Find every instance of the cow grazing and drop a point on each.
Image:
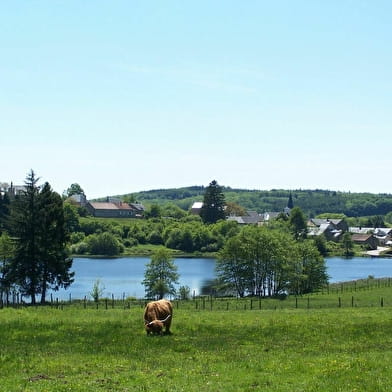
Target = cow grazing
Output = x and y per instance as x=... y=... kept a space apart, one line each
x=158 y=314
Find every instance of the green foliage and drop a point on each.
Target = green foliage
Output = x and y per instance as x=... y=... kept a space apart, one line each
x=76 y=237
x=213 y=208
x=171 y=210
x=74 y=189
x=103 y=244
x=264 y=262
x=297 y=222
x=234 y=209
x=4 y=212
x=160 y=275
x=7 y=252
x=311 y=202
x=154 y=211
x=71 y=218
x=347 y=244
x=310 y=272
x=40 y=261
x=376 y=221
x=184 y=293
x=321 y=244
x=388 y=218
x=97 y=290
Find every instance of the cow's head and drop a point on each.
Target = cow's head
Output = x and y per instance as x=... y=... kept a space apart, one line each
x=155 y=326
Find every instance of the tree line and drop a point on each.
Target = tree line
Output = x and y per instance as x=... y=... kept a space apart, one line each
x=312 y=202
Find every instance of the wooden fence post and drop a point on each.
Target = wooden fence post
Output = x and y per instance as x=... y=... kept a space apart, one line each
x=340 y=302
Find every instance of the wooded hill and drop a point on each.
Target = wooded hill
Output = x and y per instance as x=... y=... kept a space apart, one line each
x=312 y=202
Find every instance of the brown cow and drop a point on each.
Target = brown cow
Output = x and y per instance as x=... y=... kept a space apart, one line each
x=158 y=314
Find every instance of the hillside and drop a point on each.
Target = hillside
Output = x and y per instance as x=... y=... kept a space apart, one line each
x=312 y=202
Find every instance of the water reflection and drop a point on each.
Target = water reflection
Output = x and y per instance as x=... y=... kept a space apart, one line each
x=122 y=277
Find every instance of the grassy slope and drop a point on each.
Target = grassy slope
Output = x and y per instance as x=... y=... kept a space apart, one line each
x=76 y=349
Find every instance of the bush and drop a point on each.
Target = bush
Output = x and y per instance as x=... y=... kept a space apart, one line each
x=130 y=242
x=103 y=244
x=155 y=238
x=77 y=237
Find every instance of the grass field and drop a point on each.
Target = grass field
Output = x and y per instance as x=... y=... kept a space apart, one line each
x=325 y=348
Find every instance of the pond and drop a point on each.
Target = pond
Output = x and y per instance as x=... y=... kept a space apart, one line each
x=123 y=276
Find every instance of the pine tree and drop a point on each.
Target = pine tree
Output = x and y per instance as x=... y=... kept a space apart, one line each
x=4 y=212
x=55 y=263
x=290 y=203
x=213 y=208
x=25 y=227
x=40 y=261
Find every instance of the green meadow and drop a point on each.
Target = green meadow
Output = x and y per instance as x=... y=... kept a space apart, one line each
x=320 y=344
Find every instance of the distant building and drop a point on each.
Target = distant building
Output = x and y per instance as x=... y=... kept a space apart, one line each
x=332 y=229
x=382 y=234
x=251 y=218
x=367 y=240
x=114 y=208
x=196 y=207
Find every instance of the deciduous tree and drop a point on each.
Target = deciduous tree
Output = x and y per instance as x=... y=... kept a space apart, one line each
x=264 y=262
x=74 y=189
x=160 y=275
x=297 y=222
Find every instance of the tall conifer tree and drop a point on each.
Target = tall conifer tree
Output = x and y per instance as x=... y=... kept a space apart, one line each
x=54 y=260
x=4 y=212
x=40 y=260
x=213 y=204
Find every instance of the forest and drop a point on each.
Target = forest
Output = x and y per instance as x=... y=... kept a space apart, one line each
x=311 y=202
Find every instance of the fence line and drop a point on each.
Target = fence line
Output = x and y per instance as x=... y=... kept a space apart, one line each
x=321 y=299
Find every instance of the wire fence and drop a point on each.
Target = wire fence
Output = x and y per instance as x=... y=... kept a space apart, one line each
x=361 y=293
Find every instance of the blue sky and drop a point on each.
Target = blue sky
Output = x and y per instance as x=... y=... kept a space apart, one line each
x=124 y=96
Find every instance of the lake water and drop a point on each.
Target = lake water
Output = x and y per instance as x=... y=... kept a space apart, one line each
x=123 y=276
